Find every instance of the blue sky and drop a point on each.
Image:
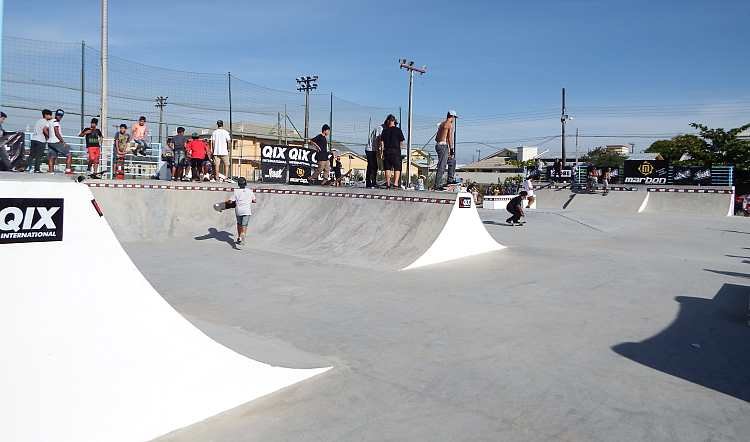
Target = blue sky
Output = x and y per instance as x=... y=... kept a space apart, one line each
x=500 y=64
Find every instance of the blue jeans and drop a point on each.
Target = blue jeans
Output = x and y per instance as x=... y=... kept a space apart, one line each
x=442 y=152
x=141 y=145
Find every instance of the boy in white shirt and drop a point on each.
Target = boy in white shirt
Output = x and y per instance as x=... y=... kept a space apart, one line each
x=242 y=200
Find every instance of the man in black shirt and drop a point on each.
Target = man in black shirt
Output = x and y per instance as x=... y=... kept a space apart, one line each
x=391 y=142
x=515 y=207
x=93 y=145
x=320 y=144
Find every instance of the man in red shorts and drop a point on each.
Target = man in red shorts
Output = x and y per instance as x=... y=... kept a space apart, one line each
x=93 y=145
x=197 y=151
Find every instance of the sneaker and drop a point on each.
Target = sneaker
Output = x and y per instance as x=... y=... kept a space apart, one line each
x=508 y=222
x=68 y=172
x=50 y=173
x=213 y=180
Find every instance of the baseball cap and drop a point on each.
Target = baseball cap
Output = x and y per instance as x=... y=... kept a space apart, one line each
x=59 y=113
x=194 y=135
x=452 y=113
x=220 y=123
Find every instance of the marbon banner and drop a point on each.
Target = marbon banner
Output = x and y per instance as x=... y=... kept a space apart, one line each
x=282 y=164
x=646 y=172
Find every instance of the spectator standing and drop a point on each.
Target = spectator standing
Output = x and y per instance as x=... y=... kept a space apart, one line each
x=221 y=143
x=320 y=145
x=337 y=166
x=606 y=175
x=4 y=159
x=39 y=141
x=197 y=150
x=179 y=142
x=557 y=170
x=445 y=149
x=528 y=187
x=57 y=146
x=93 y=137
x=371 y=175
x=391 y=141
x=120 y=150
x=140 y=136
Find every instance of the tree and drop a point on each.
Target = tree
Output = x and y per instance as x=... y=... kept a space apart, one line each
x=601 y=157
x=672 y=150
x=722 y=147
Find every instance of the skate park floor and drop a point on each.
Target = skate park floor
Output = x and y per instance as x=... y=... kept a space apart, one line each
x=586 y=328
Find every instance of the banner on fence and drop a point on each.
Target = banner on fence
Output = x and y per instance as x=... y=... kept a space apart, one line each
x=691 y=175
x=287 y=164
x=646 y=171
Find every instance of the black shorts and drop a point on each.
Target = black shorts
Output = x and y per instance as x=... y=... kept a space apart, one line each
x=392 y=159
x=196 y=162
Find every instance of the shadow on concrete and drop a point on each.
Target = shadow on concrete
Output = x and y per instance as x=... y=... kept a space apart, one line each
x=570 y=200
x=497 y=223
x=707 y=344
x=734 y=231
x=737 y=256
x=735 y=274
x=218 y=235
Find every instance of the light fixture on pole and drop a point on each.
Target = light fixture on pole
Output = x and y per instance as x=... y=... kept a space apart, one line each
x=411 y=68
x=306 y=84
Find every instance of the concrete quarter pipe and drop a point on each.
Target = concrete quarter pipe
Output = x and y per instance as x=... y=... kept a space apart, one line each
x=91 y=352
x=381 y=230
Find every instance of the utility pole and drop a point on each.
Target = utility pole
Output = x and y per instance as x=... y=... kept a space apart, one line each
x=307 y=84
x=330 y=121
x=161 y=103
x=576 y=145
x=564 y=117
x=411 y=69
x=231 y=125
x=278 y=126
x=105 y=69
x=286 y=137
x=83 y=85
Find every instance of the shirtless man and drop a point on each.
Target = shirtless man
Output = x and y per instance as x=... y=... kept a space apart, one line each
x=444 y=146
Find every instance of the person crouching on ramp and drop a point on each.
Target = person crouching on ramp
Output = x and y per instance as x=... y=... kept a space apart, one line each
x=515 y=207
x=242 y=199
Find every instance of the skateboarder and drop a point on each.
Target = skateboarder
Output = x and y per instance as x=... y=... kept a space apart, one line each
x=515 y=207
x=243 y=199
x=528 y=186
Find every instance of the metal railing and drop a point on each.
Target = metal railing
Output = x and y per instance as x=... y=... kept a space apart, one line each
x=136 y=167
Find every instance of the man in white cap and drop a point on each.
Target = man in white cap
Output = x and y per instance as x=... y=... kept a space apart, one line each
x=444 y=146
x=221 y=141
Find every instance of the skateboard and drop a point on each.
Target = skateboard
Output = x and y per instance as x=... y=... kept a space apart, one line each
x=224 y=205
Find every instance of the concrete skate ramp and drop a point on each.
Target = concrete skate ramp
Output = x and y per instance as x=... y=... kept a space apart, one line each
x=553 y=199
x=160 y=213
x=615 y=202
x=690 y=204
x=91 y=352
x=375 y=230
x=382 y=230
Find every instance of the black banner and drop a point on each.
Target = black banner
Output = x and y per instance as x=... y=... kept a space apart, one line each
x=691 y=175
x=273 y=164
x=31 y=220
x=295 y=164
x=12 y=151
x=646 y=171
x=565 y=174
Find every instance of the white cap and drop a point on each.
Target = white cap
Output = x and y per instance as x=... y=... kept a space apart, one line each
x=452 y=113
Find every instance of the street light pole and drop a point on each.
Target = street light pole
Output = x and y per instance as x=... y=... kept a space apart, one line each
x=161 y=103
x=409 y=66
x=306 y=84
x=105 y=68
